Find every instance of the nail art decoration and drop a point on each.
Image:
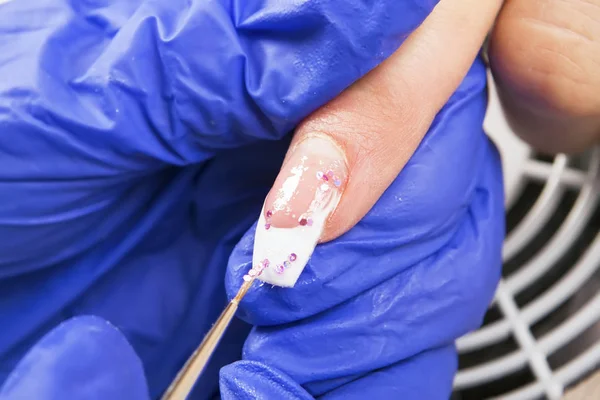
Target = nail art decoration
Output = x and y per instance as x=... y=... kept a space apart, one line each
x=256 y=270
x=268 y=216
x=306 y=192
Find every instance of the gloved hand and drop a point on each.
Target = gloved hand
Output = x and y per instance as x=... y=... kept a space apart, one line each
x=138 y=142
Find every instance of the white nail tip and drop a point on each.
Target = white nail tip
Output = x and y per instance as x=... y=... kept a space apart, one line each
x=277 y=244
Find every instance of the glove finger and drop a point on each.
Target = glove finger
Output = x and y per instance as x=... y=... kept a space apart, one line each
x=428 y=375
x=415 y=218
x=83 y=358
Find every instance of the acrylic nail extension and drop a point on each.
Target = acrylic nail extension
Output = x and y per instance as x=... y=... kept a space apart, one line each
x=306 y=192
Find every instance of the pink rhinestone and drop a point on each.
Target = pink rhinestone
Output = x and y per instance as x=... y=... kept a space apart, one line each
x=309 y=222
x=265 y=262
x=325 y=178
x=267 y=226
x=330 y=173
x=279 y=269
x=303 y=221
x=269 y=214
x=247 y=278
x=293 y=257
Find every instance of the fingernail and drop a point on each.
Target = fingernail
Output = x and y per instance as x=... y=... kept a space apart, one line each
x=306 y=192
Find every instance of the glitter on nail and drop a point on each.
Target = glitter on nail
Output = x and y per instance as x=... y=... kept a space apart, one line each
x=247 y=278
x=269 y=214
x=279 y=269
x=260 y=266
x=293 y=257
x=303 y=221
x=337 y=182
x=319 y=175
x=286 y=263
x=267 y=226
x=330 y=173
x=309 y=222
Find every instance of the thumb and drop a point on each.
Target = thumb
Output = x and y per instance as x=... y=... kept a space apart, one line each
x=344 y=156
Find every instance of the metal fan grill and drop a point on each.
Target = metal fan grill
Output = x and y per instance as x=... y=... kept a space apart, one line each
x=542 y=332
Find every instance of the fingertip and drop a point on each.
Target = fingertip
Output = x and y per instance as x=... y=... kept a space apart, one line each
x=549 y=83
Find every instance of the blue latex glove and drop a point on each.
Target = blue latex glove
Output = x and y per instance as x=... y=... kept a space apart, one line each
x=138 y=140
x=83 y=358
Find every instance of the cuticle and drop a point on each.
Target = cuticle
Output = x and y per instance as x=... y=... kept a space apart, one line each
x=321 y=135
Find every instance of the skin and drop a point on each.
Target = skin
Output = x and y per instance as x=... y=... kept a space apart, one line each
x=545 y=55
